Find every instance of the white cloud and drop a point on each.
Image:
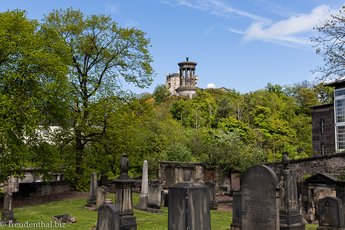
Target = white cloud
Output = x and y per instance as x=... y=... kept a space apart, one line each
x=113 y=8
x=236 y=31
x=215 y=7
x=294 y=31
x=290 y=30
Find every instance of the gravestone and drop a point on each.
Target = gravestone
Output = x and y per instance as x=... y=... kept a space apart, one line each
x=143 y=198
x=124 y=200
x=212 y=193
x=331 y=214
x=236 y=211
x=290 y=217
x=154 y=195
x=7 y=213
x=108 y=218
x=93 y=190
x=101 y=194
x=189 y=207
x=260 y=199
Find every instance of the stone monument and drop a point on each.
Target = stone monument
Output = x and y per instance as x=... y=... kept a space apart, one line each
x=93 y=190
x=144 y=187
x=154 y=195
x=101 y=195
x=236 y=211
x=7 y=215
x=331 y=214
x=260 y=199
x=290 y=217
x=108 y=218
x=212 y=193
x=189 y=207
x=124 y=200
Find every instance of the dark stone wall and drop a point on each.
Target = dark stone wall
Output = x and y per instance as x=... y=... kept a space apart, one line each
x=323 y=114
x=333 y=164
x=42 y=188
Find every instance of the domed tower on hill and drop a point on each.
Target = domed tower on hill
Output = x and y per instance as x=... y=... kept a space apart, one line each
x=188 y=79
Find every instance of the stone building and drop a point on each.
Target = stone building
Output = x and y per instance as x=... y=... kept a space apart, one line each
x=172 y=82
x=329 y=123
x=183 y=83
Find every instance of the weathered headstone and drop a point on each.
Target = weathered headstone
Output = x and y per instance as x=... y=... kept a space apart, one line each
x=154 y=195
x=236 y=211
x=212 y=193
x=260 y=199
x=124 y=200
x=143 y=198
x=189 y=207
x=290 y=217
x=331 y=214
x=7 y=213
x=108 y=218
x=93 y=190
x=101 y=194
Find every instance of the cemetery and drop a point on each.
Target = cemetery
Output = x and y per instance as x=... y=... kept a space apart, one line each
x=78 y=152
x=268 y=199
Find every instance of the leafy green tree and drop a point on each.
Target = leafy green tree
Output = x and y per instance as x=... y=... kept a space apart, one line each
x=198 y=112
x=178 y=152
x=161 y=93
x=101 y=53
x=32 y=85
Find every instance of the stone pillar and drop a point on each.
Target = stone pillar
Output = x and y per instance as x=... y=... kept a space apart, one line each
x=124 y=200
x=290 y=217
x=101 y=194
x=93 y=190
x=189 y=207
x=144 y=187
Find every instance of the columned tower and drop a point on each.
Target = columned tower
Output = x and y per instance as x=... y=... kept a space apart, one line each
x=188 y=78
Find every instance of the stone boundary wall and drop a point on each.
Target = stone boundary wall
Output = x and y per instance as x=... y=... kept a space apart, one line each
x=42 y=188
x=333 y=164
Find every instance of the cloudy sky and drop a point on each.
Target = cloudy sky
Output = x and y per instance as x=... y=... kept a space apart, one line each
x=241 y=44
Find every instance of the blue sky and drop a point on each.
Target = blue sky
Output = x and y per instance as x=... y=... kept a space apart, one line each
x=241 y=44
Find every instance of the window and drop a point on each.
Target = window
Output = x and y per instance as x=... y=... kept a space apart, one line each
x=341 y=138
x=339 y=116
x=340 y=110
x=339 y=93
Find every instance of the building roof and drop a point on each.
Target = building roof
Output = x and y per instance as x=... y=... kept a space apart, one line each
x=337 y=83
x=324 y=178
x=322 y=106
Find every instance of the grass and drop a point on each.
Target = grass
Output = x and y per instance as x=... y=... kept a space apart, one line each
x=220 y=220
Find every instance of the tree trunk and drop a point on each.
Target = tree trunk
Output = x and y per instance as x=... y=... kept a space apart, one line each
x=79 y=157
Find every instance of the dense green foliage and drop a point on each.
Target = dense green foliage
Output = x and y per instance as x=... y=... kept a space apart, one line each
x=65 y=72
x=100 y=53
x=33 y=88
